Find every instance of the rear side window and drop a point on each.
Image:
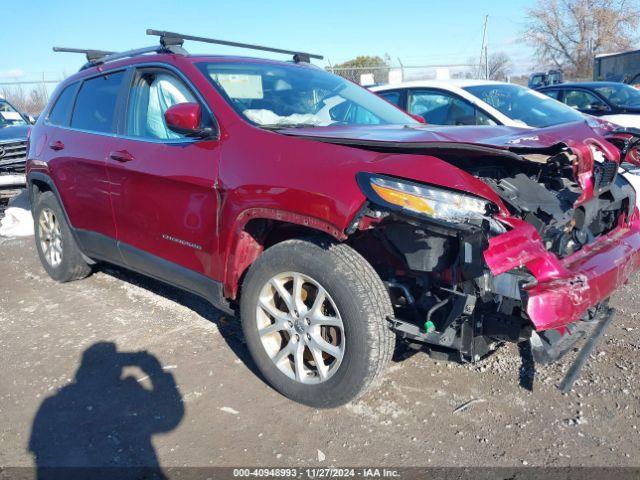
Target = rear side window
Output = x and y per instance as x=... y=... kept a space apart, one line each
x=393 y=97
x=62 y=108
x=555 y=94
x=96 y=103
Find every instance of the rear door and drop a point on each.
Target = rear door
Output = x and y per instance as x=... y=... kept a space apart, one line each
x=80 y=133
x=163 y=183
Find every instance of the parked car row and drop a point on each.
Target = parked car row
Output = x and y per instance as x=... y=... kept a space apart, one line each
x=330 y=220
x=479 y=102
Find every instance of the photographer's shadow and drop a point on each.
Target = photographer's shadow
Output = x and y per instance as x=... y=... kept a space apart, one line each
x=106 y=420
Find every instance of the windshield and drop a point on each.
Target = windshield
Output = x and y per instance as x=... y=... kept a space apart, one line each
x=9 y=115
x=273 y=95
x=527 y=106
x=620 y=95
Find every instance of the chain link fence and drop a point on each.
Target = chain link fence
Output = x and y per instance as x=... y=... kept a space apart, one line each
x=383 y=74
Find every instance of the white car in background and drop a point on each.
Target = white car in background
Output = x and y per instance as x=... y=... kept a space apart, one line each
x=477 y=102
x=483 y=102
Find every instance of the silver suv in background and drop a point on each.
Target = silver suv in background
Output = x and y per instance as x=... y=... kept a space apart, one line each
x=14 y=127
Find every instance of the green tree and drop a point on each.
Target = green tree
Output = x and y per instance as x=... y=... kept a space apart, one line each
x=353 y=69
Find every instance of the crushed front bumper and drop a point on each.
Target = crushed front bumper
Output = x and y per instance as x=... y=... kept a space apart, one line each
x=566 y=288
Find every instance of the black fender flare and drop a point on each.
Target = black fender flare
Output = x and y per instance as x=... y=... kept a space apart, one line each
x=43 y=177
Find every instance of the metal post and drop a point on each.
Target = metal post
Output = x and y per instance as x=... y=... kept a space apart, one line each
x=483 y=48
x=574 y=370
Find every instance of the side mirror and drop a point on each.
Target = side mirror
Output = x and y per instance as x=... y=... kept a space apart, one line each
x=599 y=107
x=186 y=119
x=29 y=118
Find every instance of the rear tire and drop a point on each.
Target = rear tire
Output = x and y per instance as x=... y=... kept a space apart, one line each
x=327 y=341
x=58 y=251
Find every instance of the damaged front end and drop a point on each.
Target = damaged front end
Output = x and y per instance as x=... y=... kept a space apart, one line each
x=535 y=263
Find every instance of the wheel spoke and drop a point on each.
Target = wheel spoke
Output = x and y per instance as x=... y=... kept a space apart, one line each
x=43 y=225
x=297 y=293
x=278 y=326
x=319 y=361
x=298 y=361
x=323 y=320
x=284 y=353
x=318 y=342
x=286 y=296
x=272 y=311
x=316 y=308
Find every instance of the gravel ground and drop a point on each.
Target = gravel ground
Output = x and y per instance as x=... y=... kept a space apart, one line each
x=194 y=399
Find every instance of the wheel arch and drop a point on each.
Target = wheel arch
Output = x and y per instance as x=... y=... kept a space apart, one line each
x=37 y=183
x=260 y=228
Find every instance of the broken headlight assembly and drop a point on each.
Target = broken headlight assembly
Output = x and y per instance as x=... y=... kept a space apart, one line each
x=424 y=200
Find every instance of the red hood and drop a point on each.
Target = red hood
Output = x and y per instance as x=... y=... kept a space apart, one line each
x=501 y=140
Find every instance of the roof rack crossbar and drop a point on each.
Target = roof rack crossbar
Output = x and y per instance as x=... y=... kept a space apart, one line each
x=92 y=55
x=172 y=36
x=98 y=57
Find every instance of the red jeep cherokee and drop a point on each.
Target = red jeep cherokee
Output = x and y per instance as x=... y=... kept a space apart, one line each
x=331 y=220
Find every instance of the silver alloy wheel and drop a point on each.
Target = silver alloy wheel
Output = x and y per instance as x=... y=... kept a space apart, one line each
x=50 y=237
x=300 y=327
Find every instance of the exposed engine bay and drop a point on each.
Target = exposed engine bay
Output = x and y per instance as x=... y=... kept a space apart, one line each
x=545 y=194
x=442 y=290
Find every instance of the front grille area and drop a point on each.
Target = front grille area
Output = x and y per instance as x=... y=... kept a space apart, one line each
x=605 y=173
x=13 y=155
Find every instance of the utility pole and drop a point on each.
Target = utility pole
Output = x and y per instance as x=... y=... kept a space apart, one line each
x=401 y=68
x=483 y=49
x=486 y=63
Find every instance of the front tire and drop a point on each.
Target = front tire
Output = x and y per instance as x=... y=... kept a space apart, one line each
x=314 y=315
x=58 y=251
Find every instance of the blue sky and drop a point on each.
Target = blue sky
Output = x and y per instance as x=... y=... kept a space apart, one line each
x=419 y=32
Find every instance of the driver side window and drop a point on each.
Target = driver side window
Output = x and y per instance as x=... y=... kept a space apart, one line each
x=152 y=94
x=582 y=100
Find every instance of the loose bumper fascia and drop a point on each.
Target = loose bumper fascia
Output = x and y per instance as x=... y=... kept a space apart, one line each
x=566 y=288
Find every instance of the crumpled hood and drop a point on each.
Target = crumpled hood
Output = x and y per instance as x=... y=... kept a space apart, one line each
x=499 y=140
x=502 y=137
x=14 y=132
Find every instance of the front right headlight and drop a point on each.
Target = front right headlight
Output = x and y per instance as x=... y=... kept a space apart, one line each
x=433 y=202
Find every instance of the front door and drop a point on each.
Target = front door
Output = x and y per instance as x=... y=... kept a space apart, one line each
x=163 y=184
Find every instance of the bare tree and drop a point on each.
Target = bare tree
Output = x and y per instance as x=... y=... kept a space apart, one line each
x=15 y=95
x=499 y=67
x=32 y=102
x=566 y=34
x=37 y=100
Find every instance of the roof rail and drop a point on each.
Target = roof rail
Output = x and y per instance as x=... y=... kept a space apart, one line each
x=170 y=37
x=99 y=57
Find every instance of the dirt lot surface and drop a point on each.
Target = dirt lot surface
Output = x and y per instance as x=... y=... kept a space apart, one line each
x=194 y=398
